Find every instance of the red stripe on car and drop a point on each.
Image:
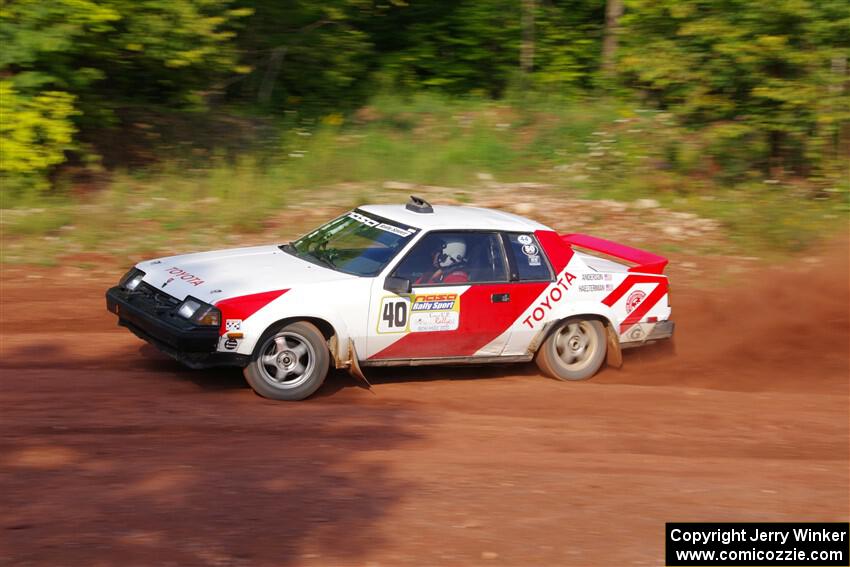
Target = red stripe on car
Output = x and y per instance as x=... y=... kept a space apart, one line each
x=244 y=306
x=645 y=305
x=481 y=321
x=558 y=251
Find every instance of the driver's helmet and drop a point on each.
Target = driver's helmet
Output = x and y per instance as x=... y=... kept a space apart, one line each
x=452 y=253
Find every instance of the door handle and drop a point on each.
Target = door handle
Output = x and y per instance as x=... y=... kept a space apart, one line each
x=500 y=297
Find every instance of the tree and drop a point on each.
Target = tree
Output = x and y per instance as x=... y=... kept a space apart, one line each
x=527 y=51
x=754 y=76
x=613 y=12
x=303 y=55
x=110 y=56
x=470 y=46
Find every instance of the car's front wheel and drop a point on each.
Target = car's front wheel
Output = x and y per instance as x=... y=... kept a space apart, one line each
x=575 y=350
x=290 y=363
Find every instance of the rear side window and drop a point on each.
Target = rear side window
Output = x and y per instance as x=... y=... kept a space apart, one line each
x=531 y=263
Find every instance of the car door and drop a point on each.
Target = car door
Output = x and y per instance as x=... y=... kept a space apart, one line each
x=531 y=273
x=454 y=306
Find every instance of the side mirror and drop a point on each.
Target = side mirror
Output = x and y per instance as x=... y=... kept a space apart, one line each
x=397 y=285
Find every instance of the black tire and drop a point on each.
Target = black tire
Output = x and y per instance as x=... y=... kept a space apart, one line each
x=574 y=350
x=289 y=363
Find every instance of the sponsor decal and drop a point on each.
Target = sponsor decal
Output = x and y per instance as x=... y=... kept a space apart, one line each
x=381 y=225
x=596 y=277
x=551 y=297
x=524 y=239
x=529 y=249
x=233 y=325
x=365 y=220
x=231 y=344
x=430 y=321
x=533 y=260
x=435 y=313
x=434 y=302
x=634 y=300
x=395 y=230
x=417 y=313
x=181 y=274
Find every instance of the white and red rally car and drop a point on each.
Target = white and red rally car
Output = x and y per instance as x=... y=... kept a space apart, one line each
x=390 y=285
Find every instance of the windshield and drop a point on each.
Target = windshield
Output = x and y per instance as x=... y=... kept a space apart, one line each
x=355 y=243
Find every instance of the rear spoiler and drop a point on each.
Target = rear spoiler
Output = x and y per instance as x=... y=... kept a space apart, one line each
x=646 y=262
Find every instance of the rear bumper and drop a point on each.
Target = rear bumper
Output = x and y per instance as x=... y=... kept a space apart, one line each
x=193 y=345
x=646 y=333
x=662 y=330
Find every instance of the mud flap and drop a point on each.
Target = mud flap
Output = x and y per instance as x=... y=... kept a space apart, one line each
x=615 y=355
x=354 y=365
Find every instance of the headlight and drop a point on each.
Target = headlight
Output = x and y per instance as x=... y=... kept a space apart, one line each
x=189 y=308
x=199 y=312
x=132 y=279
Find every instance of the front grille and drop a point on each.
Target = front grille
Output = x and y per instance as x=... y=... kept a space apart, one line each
x=152 y=300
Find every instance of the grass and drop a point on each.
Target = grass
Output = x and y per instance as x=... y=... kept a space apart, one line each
x=596 y=149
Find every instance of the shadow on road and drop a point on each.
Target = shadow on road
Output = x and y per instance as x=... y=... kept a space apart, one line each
x=137 y=468
x=150 y=359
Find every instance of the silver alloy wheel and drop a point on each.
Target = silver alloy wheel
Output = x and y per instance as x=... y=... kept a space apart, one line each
x=575 y=344
x=287 y=360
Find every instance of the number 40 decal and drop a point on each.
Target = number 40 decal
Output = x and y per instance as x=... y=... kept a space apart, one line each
x=393 y=318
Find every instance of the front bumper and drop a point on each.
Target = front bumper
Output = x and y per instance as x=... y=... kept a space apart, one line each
x=151 y=315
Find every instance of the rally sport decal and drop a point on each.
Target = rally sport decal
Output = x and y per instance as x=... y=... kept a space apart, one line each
x=419 y=313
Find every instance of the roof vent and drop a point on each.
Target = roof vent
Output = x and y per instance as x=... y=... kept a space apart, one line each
x=419 y=205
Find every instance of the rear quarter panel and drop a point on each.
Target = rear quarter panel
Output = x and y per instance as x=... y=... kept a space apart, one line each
x=620 y=297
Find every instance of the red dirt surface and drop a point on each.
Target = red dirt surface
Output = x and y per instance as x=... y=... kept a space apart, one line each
x=112 y=454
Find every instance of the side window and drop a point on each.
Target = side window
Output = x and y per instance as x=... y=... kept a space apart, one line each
x=442 y=258
x=531 y=263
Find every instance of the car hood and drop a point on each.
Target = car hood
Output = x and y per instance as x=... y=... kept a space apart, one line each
x=222 y=274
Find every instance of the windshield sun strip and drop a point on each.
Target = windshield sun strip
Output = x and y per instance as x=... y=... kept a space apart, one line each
x=403 y=231
x=383 y=223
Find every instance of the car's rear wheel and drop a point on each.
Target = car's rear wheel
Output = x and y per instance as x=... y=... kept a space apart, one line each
x=575 y=350
x=290 y=363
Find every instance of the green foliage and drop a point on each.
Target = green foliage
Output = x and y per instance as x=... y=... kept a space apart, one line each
x=470 y=46
x=748 y=89
x=302 y=55
x=104 y=58
x=567 y=50
x=760 y=75
x=116 y=51
x=35 y=133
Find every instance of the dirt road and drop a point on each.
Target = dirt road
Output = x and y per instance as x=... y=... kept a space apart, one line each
x=111 y=454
